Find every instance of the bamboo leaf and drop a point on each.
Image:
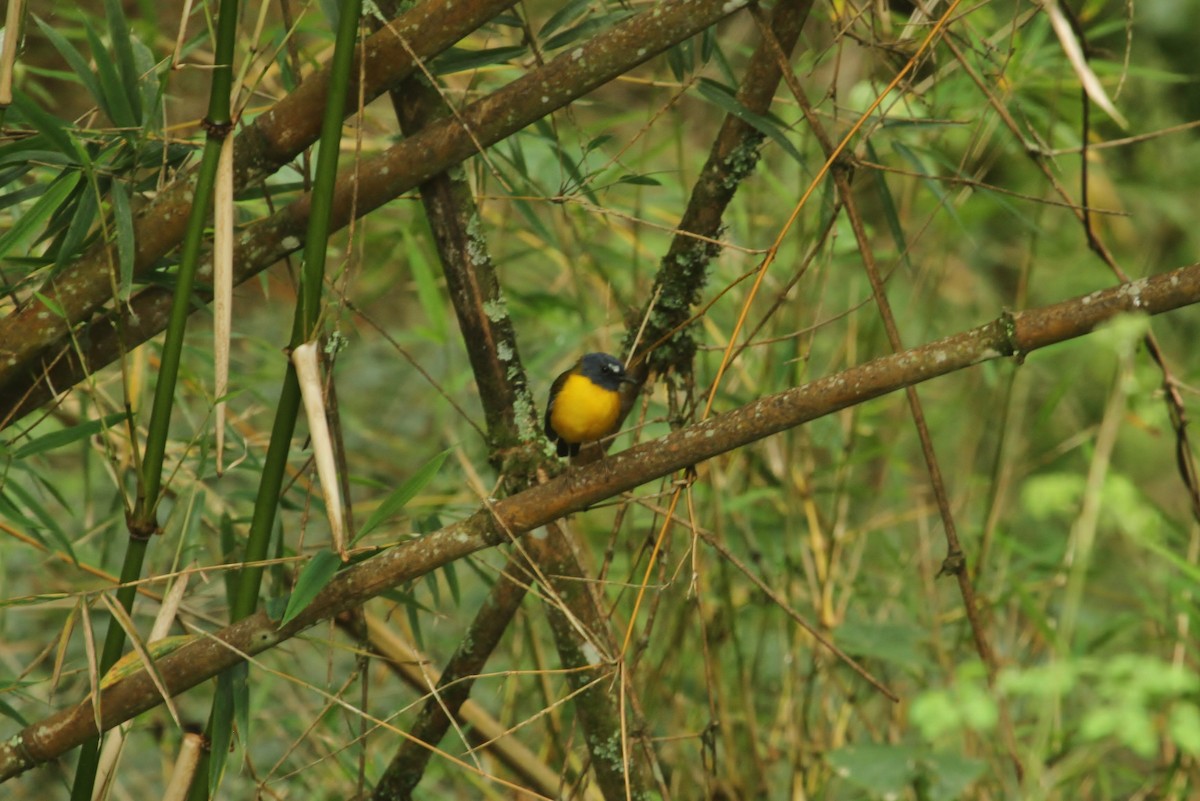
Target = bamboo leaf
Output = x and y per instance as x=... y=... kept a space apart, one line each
x=9 y=510
x=222 y=727
x=888 y=203
x=723 y=98
x=73 y=58
x=22 y=195
x=7 y=710
x=81 y=218
x=459 y=59
x=123 y=222
x=29 y=224
x=48 y=125
x=66 y=436
x=427 y=288
x=51 y=304
x=586 y=29
x=638 y=180
x=113 y=99
x=122 y=45
x=29 y=151
x=451 y=573
x=150 y=85
x=313 y=578
x=564 y=16
x=48 y=521
x=930 y=180
x=400 y=496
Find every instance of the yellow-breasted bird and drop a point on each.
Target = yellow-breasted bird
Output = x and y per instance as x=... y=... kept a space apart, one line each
x=585 y=402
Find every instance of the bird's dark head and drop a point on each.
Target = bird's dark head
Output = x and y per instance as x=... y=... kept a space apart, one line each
x=604 y=370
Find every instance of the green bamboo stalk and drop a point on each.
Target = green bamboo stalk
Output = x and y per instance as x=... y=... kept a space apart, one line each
x=304 y=326
x=142 y=520
x=307 y=312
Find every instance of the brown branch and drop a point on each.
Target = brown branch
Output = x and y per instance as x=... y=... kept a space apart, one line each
x=275 y=137
x=1185 y=458
x=481 y=728
x=592 y=670
x=384 y=176
x=451 y=691
x=955 y=560
x=491 y=344
x=734 y=154
x=1013 y=334
x=474 y=288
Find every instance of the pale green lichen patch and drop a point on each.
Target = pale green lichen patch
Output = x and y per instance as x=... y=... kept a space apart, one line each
x=495 y=309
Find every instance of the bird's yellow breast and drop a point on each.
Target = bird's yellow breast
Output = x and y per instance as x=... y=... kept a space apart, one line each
x=584 y=412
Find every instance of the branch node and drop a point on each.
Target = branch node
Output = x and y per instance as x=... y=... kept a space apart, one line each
x=953 y=565
x=217 y=130
x=1008 y=321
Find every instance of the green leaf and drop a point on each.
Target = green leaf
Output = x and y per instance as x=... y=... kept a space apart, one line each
x=884 y=770
x=9 y=712
x=400 y=496
x=898 y=644
x=240 y=675
x=723 y=98
x=460 y=59
x=638 y=180
x=1184 y=727
x=113 y=100
x=427 y=287
x=585 y=29
x=123 y=222
x=51 y=304
x=48 y=521
x=931 y=182
x=405 y=598
x=73 y=58
x=1051 y=680
x=319 y=571
x=597 y=143
x=122 y=44
x=66 y=436
x=151 y=85
x=31 y=150
x=414 y=623
x=888 y=203
x=82 y=217
x=564 y=16
x=229 y=556
x=48 y=125
x=435 y=592
x=681 y=60
x=29 y=224
x=21 y=195
x=222 y=729
x=9 y=510
x=717 y=56
x=452 y=581
x=965 y=704
x=950 y=774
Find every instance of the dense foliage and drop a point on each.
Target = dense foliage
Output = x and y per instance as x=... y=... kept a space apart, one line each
x=510 y=200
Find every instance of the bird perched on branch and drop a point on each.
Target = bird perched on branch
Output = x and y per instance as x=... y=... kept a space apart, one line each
x=585 y=402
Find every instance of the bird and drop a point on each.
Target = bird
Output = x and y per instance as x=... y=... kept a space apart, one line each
x=585 y=402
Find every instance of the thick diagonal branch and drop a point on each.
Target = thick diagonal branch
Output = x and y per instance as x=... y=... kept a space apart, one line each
x=380 y=179
x=1015 y=334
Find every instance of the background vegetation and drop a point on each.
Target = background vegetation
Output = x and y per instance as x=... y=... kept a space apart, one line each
x=662 y=643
